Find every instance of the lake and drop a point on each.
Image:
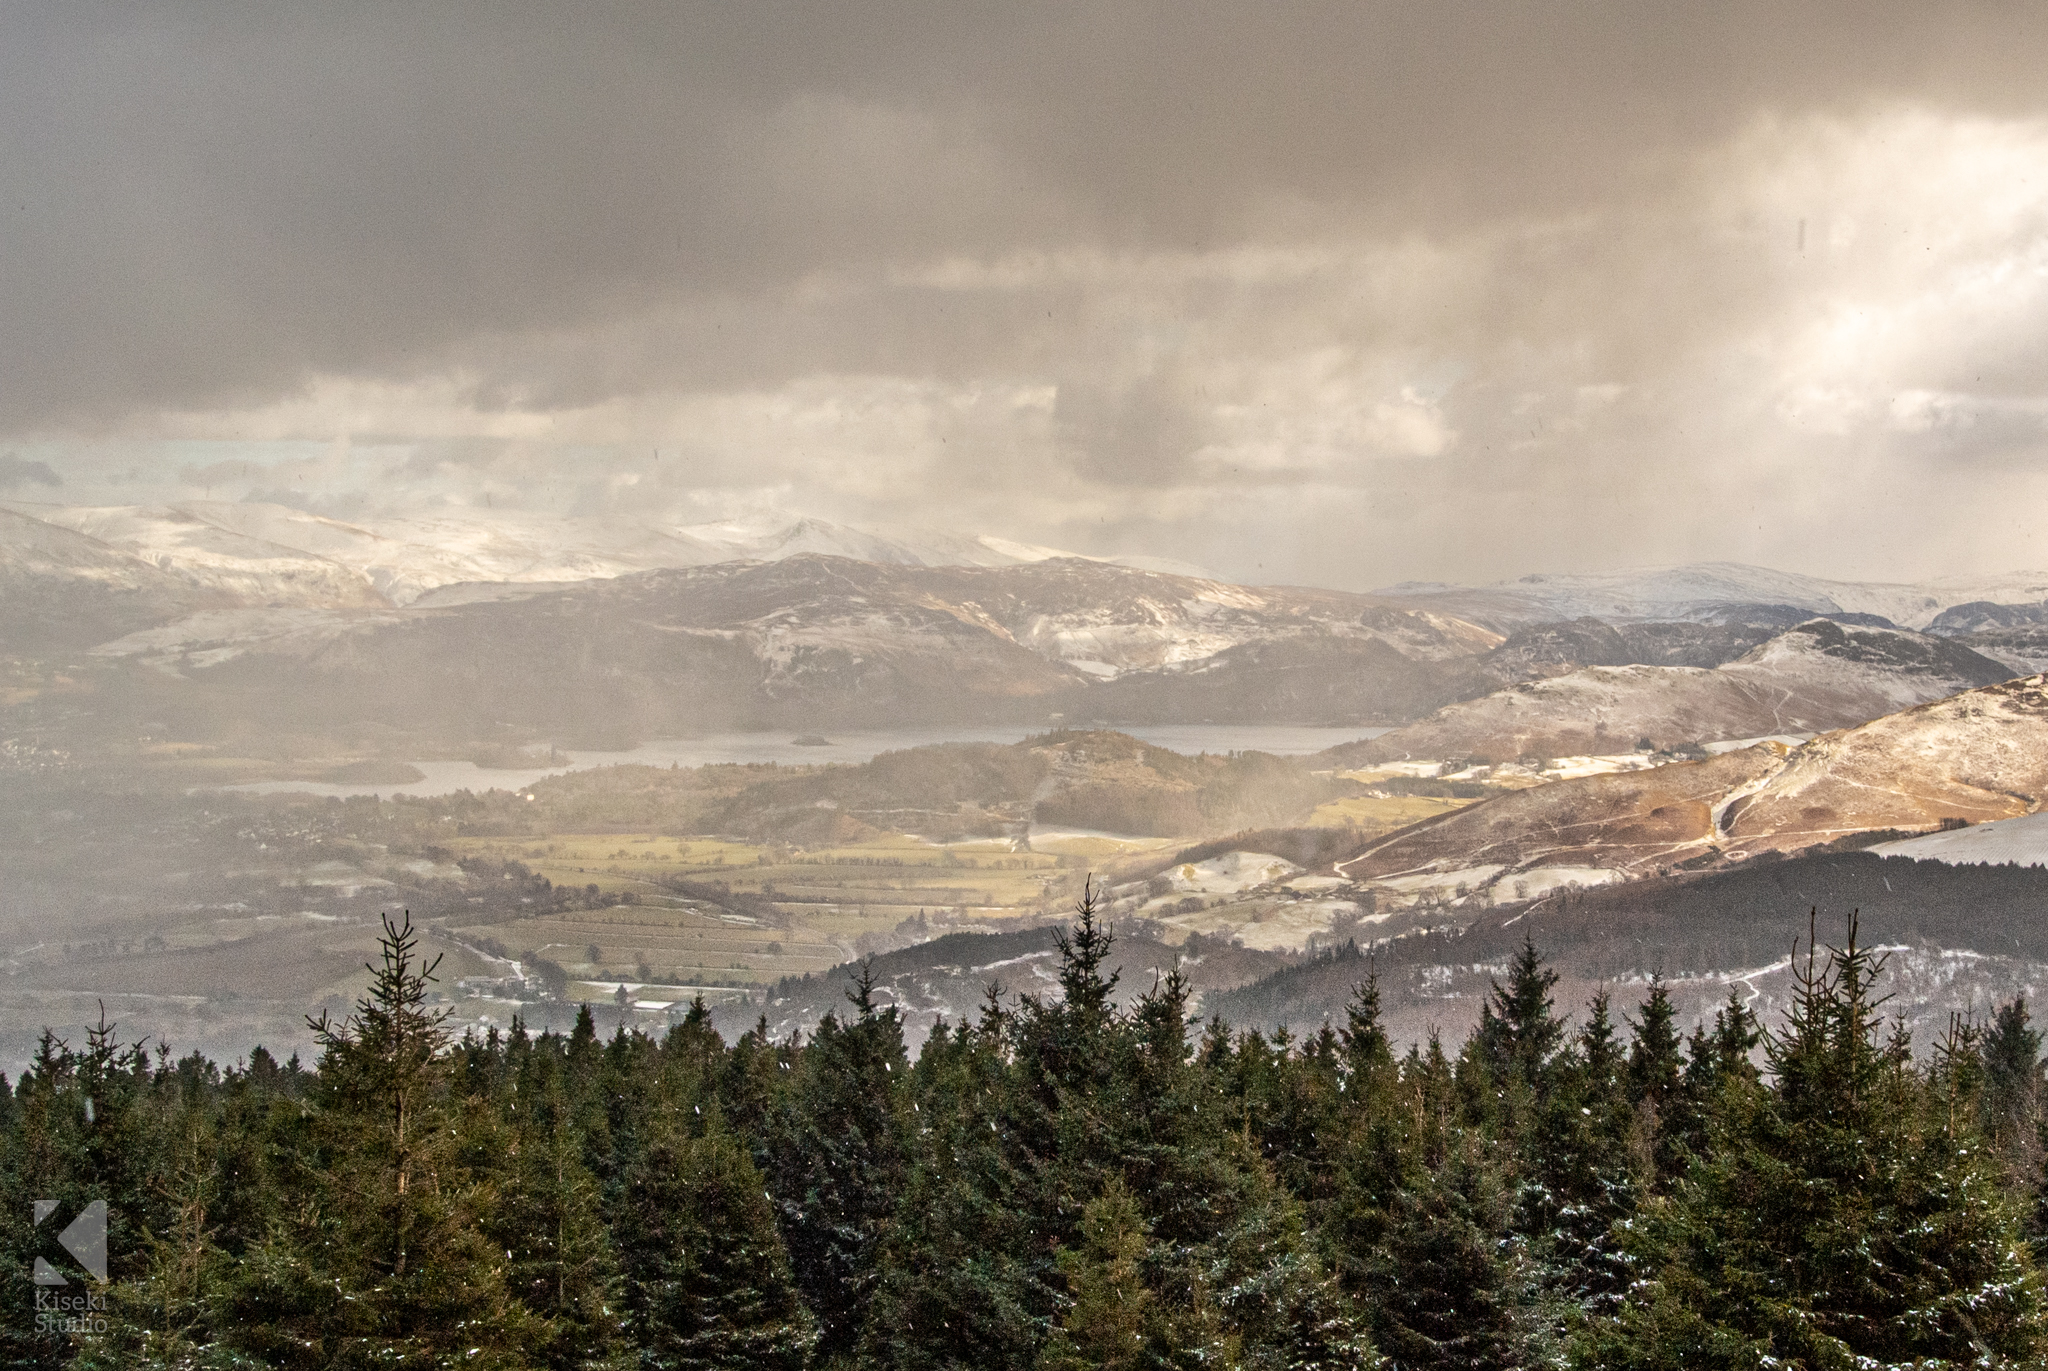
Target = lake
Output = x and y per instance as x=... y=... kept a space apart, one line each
x=445 y=778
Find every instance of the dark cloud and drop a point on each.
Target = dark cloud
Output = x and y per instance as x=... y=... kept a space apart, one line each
x=209 y=200
x=1140 y=434
x=16 y=472
x=1437 y=282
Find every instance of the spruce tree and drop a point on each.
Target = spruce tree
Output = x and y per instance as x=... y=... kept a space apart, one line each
x=385 y=1262
x=707 y=1282
x=1666 y=1116
x=2011 y=1110
x=1112 y=1321
x=1846 y=1216
x=837 y=1161
x=549 y=1220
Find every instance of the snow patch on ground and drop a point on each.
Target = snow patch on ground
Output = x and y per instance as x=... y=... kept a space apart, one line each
x=1780 y=740
x=1606 y=764
x=1539 y=881
x=1265 y=926
x=1418 y=884
x=1231 y=873
x=2023 y=840
x=1318 y=883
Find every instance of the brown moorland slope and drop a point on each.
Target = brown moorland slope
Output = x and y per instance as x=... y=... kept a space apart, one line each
x=1633 y=822
x=1975 y=756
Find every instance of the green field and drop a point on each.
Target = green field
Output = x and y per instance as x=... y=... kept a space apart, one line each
x=812 y=905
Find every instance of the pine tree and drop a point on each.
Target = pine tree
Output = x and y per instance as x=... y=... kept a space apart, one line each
x=1666 y=1115
x=1112 y=1321
x=1518 y=1032
x=1441 y=1291
x=837 y=1160
x=1847 y=1216
x=2014 y=1120
x=1577 y=1178
x=385 y=1262
x=708 y=1285
x=549 y=1219
x=1051 y=1108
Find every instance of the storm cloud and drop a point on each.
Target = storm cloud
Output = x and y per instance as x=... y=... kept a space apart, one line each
x=1333 y=293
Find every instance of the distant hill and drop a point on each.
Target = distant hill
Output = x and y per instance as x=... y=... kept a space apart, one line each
x=805 y=643
x=1099 y=780
x=1819 y=675
x=1956 y=934
x=1981 y=754
x=949 y=979
x=1715 y=592
x=287 y=630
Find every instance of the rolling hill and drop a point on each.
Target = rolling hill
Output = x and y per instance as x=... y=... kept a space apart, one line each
x=1981 y=754
x=1820 y=675
x=1712 y=592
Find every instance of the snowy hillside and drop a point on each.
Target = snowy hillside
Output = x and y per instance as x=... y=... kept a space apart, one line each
x=1978 y=757
x=272 y=555
x=218 y=556
x=1817 y=676
x=2023 y=841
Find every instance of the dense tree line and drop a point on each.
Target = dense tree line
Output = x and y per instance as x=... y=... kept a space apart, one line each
x=1062 y=1183
x=1690 y=925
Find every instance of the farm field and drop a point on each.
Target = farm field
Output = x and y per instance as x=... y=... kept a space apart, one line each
x=804 y=910
x=1374 y=813
x=671 y=941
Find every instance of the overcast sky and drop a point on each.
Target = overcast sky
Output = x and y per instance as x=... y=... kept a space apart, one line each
x=1341 y=293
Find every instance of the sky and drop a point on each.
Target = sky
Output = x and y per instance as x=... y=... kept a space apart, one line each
x=1341 y=294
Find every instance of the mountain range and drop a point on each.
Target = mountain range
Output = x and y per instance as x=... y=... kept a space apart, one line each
x=259 y=554
x=1716 y=592
x=259 y=617
x=805 y=642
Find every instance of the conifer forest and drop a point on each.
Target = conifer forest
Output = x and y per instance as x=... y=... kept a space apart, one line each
x=1074 y=1181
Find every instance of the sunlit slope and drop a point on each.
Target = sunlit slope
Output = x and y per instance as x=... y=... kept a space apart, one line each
x=1976 y=756
x=1634 y=822
x=1981 y=754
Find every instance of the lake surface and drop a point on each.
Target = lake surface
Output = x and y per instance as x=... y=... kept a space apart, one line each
x=445 y=778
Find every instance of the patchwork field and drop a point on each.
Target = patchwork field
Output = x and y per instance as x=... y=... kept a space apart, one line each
x=710 y=911
x=675 y=942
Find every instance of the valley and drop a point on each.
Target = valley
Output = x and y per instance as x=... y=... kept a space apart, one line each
x=615 y=765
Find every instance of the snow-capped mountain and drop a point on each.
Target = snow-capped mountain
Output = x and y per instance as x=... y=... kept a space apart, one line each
x=271 y=556
x=60 y=589
x=1711 y=591
x=810 y=641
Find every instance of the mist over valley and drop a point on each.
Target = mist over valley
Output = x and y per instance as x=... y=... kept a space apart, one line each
x=636 y=770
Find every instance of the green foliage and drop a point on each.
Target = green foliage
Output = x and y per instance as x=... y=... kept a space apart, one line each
x=837 y=1155
x=1844 y=1215
x=1078 y=1179
x=708 y=1285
